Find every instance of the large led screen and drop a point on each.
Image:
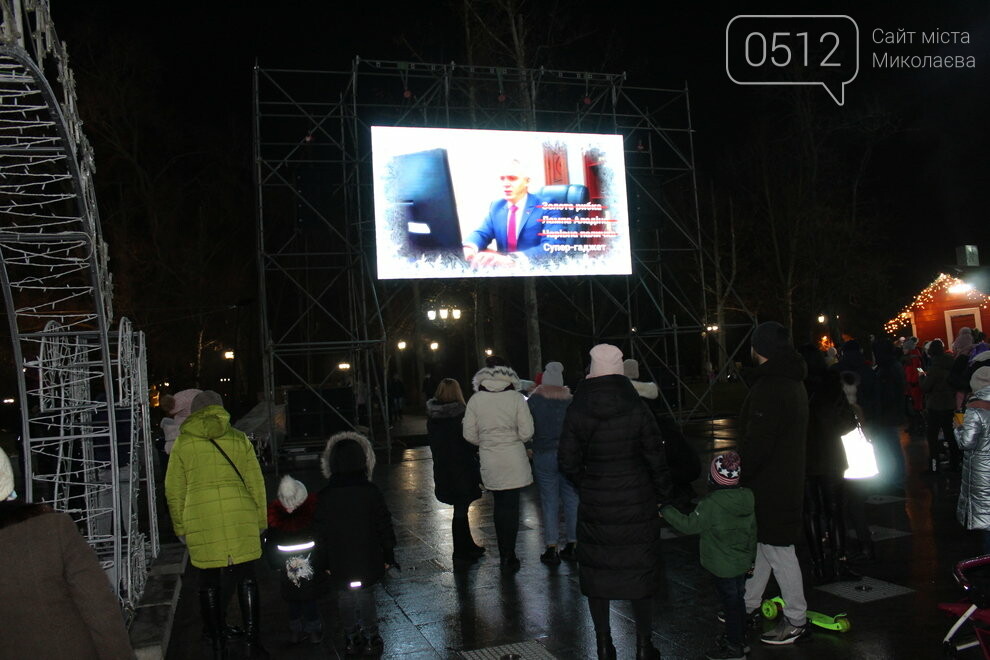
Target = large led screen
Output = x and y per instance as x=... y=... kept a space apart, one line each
x=478 y=203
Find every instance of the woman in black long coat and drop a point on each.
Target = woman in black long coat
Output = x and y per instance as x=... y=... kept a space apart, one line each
x=456 y=473
x=612 y=450
x=830 y=416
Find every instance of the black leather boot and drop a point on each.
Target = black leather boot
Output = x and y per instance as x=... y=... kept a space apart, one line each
x=247 y=596
x=645 y=649
x=461 y=532
x=211 y=608
x=606 y=649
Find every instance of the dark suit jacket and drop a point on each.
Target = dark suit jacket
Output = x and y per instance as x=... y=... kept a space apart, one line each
x=529 y=242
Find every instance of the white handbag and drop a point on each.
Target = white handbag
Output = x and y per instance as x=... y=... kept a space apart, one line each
x=860 y=456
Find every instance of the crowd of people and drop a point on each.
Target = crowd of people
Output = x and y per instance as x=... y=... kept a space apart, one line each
x=606 y=462
x=609 y=468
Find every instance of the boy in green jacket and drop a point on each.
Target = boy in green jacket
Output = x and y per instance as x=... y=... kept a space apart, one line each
x=727 y=524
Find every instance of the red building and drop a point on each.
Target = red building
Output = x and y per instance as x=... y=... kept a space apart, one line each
x=938 y=312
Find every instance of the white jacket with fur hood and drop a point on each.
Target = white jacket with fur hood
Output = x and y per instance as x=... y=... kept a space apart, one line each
x=498 y=420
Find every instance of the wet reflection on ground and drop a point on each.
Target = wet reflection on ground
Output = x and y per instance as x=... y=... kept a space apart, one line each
x=430 y=611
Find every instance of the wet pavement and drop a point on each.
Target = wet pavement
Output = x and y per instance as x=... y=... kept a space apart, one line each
x=429 y=611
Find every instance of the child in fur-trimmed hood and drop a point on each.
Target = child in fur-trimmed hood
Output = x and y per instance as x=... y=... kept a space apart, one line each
x=351 y=515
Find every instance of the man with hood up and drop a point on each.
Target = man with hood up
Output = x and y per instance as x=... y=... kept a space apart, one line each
x=216 y=496
x=773 y=427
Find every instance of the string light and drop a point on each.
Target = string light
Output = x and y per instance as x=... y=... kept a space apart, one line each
x=942 y=284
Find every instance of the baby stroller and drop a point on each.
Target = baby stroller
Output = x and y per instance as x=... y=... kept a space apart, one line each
x=973 y=575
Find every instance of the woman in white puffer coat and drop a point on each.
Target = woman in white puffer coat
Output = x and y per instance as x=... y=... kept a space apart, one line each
x=498 y=420
x=973 y=437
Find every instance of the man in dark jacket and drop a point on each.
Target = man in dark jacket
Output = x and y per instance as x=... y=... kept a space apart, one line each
x=940 y=401
x=773 y=425
x=884 y=422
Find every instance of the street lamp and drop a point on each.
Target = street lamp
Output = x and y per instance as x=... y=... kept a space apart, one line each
x=434 y=345
x=401 y=345
x=489 y=352
x=228 y=355
x=344 y=366
x=821 y=318
x=444 y=315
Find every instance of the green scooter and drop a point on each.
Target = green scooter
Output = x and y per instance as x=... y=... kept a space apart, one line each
x=840 y=622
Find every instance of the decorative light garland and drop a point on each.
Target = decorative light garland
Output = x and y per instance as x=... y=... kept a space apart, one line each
x=941 y=283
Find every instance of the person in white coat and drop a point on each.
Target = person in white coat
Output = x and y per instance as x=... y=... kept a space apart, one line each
x=498 y=420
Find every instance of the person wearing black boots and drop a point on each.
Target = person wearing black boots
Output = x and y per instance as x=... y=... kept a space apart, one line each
x=456 y=474
x=830 y=416
x=940 y=402
x=611 y=449
x=216 y=497
x=548 y=405
x=498 y=420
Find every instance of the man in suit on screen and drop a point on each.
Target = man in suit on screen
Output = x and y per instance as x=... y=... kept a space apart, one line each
x=514 y=222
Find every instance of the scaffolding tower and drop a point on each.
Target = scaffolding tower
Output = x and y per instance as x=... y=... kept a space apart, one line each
x=82 y=383
x=315 y=216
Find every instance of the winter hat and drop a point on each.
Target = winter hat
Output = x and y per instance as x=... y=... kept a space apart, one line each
x=6 y=478
x=630 y=368
x=606 y=360
x=204 y=399
x=291 y=493
x=553 y=374
x=964 y=341
x=936 y=347
x=770 y=338
x=725 y=470
x=181 y=401
x=979 y=380
x=910 y=344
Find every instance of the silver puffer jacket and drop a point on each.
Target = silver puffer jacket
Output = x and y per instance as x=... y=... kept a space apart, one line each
x=973 y=437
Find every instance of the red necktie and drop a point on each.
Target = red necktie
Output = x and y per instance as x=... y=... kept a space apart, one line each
x=511 y=229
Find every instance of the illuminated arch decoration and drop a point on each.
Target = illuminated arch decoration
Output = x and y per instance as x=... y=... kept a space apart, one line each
x=82 y=384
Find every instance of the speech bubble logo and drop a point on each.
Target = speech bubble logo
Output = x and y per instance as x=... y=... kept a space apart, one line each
x=793 y=50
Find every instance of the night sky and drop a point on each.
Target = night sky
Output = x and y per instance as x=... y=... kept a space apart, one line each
x=928 y=180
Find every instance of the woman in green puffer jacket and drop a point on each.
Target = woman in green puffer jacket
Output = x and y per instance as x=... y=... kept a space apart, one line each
x=219 y=510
